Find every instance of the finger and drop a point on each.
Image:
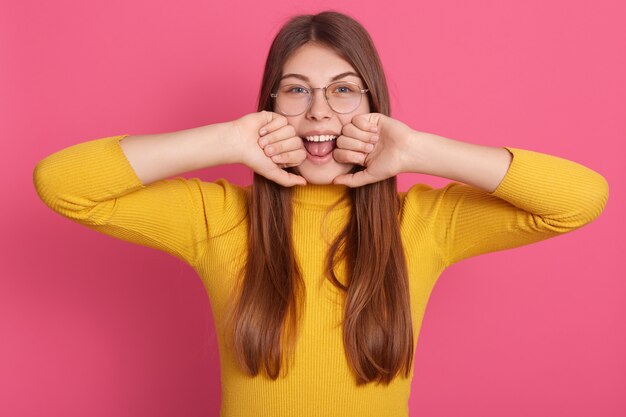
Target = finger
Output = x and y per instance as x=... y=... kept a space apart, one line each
x=276 y=122
x=281 y=133
x=290 y=159
x=355 y=180
x=284 y=178
x=348 y=157
x=367 y=122
x=353 y=131
x=351 y=144
x=286 y=145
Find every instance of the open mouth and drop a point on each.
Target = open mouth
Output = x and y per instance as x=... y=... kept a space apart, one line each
x=319 y=147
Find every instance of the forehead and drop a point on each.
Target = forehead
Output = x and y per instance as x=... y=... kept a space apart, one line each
x=318 y=63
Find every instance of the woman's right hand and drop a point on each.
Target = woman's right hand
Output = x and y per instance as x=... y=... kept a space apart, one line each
x=269 y=143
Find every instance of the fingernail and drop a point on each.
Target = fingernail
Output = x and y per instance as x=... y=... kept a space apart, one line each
x=369 y=147
x=375 y=138
x=270 y=150
x=263 y=142
x=374 y=129
x=263 y=131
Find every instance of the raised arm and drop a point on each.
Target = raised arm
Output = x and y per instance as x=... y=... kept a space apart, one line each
x=516 y=196
x=117 y=185
x=504 y=197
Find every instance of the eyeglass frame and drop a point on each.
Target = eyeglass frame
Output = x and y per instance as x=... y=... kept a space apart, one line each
x=312 y=90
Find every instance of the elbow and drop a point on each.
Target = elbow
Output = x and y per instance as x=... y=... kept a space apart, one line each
x=44 y=186
x=51 y=186
x=598 y=195
x=587 y=207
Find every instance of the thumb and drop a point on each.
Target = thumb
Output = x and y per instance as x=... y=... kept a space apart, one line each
x=286 y=179
x=355 y=180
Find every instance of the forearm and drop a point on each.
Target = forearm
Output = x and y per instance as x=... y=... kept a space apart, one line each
x=158 y=156
x=483 y=167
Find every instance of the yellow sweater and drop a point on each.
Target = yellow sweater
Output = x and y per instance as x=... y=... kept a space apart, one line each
x=205 y=224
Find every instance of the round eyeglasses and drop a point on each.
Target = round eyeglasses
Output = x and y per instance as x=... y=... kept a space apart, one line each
x=342 y=97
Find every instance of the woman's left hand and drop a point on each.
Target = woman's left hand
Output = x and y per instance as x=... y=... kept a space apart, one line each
x=377 y=142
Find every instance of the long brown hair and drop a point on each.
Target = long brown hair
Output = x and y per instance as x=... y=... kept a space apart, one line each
x=377 y=327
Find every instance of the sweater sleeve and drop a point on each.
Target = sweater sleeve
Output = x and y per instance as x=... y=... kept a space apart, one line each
x=540 y=196
x=93 y=184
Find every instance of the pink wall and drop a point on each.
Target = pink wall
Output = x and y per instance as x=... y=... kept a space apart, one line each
x=94 y=326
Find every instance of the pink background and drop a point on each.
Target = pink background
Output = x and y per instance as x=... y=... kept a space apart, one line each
x=94 y=326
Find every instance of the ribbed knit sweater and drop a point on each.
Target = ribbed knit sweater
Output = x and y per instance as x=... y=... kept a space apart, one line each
x=206 y=225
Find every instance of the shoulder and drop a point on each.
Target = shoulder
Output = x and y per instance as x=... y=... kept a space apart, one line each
x=425 y=198
x=220 y=190
x=222 y=203
x=431 y=205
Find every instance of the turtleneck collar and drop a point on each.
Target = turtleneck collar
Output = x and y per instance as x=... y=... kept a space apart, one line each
x=321 y=196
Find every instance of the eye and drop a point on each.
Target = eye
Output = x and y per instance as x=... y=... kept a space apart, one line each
x=344 y=89
x=294 y=90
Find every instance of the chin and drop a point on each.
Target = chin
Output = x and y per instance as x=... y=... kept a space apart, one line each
x=323 y=174
x=318 y=180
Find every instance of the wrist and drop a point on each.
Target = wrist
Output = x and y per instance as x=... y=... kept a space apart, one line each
x=415 y=155
x=226 y=140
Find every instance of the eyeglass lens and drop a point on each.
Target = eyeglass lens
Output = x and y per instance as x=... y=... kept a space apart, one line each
x=342 y=97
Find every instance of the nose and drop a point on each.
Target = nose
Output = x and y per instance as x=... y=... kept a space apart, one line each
x=319 y=108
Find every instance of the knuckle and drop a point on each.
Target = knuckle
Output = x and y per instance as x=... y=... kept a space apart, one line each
x=269 y=138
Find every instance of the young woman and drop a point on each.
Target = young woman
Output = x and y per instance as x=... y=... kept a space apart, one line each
x=318 y=273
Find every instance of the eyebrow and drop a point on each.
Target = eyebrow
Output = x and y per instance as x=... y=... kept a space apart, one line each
x=335 y=78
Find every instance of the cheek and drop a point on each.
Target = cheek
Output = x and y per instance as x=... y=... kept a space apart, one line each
x=293 y=120
x=363 y=108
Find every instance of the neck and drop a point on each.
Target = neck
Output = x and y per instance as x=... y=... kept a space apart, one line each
x=321 y=195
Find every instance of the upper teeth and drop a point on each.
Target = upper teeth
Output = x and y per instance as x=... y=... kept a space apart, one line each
x=321 y=138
